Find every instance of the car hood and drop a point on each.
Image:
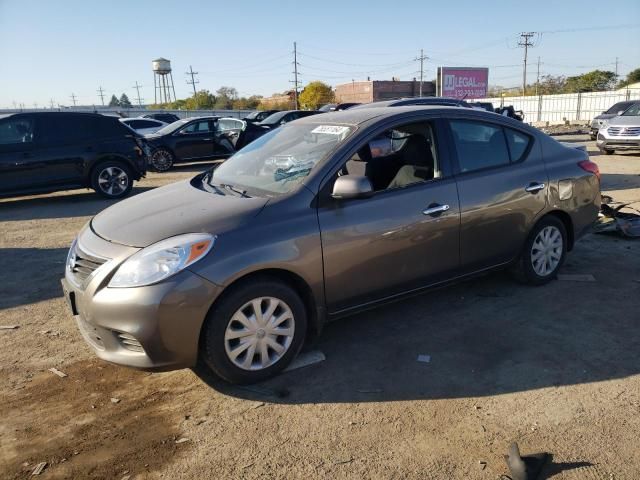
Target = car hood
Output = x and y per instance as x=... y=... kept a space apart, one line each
x=605 y=116
x=172 y=210
x=627 y=120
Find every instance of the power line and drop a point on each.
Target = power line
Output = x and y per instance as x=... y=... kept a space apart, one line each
x=137 y=87
x=101 y=94
x=525 y=42
x=73 y=98
x=193 y=80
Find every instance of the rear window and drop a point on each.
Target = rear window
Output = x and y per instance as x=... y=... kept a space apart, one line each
x=479 y=145
x=518 y=144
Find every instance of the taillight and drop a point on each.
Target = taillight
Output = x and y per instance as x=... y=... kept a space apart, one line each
x=589 y=166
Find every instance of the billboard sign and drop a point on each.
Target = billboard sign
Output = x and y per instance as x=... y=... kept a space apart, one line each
x=463 y=82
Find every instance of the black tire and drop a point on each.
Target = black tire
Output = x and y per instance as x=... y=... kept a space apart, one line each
x=523 y=270
x=213 y=344
x=161 y=159
x=112 y=179
x=609 y=152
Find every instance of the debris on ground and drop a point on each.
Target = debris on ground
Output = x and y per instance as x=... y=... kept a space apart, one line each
x=181 y=440
x=58 y=372
x=524 y=468
x=577 y=277
x=613 y=219
x=482 y=464
x=39 y=468
x=9 y=327
x=424 y=358
x=115 y=400
x=305 y=359
x=554 y=130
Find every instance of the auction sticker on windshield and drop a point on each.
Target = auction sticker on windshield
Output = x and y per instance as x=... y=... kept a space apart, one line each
x=330 y=129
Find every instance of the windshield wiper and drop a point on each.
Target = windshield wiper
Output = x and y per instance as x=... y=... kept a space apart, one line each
x=207 y=179
x=243 y=193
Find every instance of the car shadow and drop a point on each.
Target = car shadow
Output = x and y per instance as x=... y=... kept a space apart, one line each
x=484 y=337
x=619 y=181
x=77 y=204
x=31 y=275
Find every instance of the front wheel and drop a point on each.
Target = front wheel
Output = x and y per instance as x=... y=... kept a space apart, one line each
x=544 y=252
x=161 y=160
x=254 y=331
x=112 y=180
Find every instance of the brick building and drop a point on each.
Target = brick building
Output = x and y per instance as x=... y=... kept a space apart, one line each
x=374 y=90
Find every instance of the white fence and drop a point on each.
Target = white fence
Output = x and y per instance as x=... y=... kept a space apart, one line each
x=570 y=107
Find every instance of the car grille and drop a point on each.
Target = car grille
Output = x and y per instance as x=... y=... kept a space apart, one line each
x=624 y=131
x=84 y=265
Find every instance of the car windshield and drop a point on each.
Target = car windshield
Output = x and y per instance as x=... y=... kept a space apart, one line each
x=172 y=127
x=279 y=161
x=274 y=117
x=633 y=110
x=618 y=107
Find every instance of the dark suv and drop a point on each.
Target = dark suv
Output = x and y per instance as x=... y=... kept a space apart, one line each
x=46 y=152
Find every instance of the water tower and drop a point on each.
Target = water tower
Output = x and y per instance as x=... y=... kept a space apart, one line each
x=163 y=81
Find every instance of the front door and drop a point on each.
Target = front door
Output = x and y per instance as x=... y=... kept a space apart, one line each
x=403 y=237
x=196 y=140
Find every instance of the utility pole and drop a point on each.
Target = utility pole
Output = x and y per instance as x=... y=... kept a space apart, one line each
x=193 y=81
x=295 y=74
x=137 y=87
x=616 y=69
x=525 y=42
x=422 y=58
x=101 y=94
x=73 y=99
x=51 y=103
x=538 y=77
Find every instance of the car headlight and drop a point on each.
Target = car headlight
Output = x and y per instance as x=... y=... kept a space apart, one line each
x=71 y=256
x=603 y=123
x=161 y=260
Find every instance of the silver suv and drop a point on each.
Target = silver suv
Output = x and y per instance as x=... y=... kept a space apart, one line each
x=621 y=133
x=602 y=120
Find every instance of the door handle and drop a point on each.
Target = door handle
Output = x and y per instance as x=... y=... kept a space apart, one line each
x=534 y=187
x=206 y=139
x=435 y=209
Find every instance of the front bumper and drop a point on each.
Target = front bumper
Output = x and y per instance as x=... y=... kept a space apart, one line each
x=618 y=143
x=156 y=327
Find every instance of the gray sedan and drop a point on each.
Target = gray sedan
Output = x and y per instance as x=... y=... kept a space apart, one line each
x=325 y=216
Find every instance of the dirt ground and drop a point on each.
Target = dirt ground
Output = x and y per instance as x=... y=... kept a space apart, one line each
x=555 y=368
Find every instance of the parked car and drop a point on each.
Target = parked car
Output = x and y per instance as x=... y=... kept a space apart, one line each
x=511 y=112
x=601 y=120
x=621 y=132
x=259 y=115
x=50 y=151
x=488 y=106
x=191 y=139
x=337 y=107
x=280 y=118
x=163 y=117
x=237 y=267
x=403 y=102
x=142 y=125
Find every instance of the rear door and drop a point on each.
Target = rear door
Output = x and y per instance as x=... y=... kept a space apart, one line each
x=64 y=146
x=502 y=186
x=17 y=163
x=195 y=140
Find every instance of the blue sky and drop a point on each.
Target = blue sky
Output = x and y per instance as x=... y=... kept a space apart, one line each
x=51 y=49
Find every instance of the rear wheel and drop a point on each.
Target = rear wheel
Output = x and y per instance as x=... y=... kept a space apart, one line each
x=609 y=152
x=254 y=331
x=161 y=160
x=544 y=252
x=112 y=179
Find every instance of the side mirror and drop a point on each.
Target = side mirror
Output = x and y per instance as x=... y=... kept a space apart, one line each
x=352 y=186
x=620 y=112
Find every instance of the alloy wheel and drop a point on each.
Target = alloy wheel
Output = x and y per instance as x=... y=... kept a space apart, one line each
x=259 y=333
x=161 y=160
x=113 y=181
x=546 y=251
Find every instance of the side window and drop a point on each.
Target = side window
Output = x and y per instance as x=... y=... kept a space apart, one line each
x=518 y=144
x=135 y=124
x=16 y=130
x=64 y=129
x=147 y=124
x=479 y=145
x=398 y=157
x=197 y=127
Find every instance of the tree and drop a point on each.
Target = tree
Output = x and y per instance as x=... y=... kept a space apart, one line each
x=315 y=94
x=595 y=81
x=114 y=102
x=203 y=100
x=124 y=101
x=632 y=77
x=225 y=97
x=550 y=85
